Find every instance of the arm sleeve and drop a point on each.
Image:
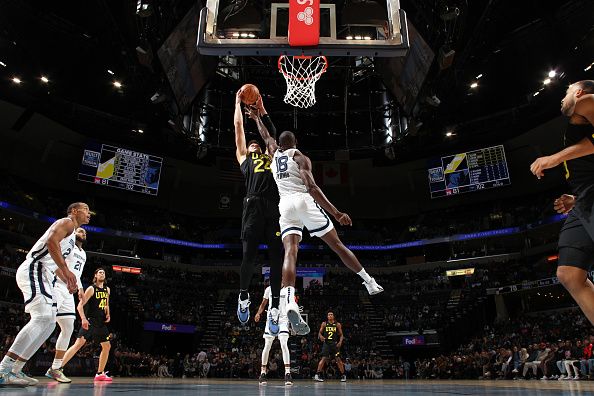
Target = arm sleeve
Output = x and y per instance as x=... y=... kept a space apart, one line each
x=78 y=282
x=269 y=125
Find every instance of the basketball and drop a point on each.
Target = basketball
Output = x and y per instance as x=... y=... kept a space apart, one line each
x=249 y=94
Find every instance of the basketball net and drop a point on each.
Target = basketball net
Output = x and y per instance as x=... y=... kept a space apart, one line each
x=301 y=74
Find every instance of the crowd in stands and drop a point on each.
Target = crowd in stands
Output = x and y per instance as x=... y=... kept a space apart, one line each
x=550 y=346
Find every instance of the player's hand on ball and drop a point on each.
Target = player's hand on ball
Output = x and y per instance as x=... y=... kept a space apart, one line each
x=238 y=97
x=343 y=219
x=251 y=112
x=85 y=324
x=564 y=203
x=257 y=318
x=537 y=168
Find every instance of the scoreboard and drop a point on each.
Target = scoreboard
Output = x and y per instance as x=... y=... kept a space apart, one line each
x=470 y=171
x=120 y=168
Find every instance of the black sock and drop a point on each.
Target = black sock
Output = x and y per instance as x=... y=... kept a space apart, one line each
x=243 y=294
x=275 y=301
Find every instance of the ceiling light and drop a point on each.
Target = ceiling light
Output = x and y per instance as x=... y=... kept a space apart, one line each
x=449 y=134
x=252 y=35
x=547 y=81
x=44 y=79
x=16 y=80
x=552 y=73
x=367 y=38
x=479 y=76
x=474 y=85
x=349 y=37
x=244 y=35
x=586 y=69
x=110 y=72
x=2 y=64
x=117 y=84
x=140 y=131
x=235 y=34
x=358 y=38
x=535 y=93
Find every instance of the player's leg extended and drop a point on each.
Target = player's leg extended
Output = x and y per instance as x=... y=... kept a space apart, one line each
x=276 y=261
x=284 y=341
x=289 y=270
x=321 y=365
x=80 y=341
x=350 y=260
x=265 y=353
x=576 y=281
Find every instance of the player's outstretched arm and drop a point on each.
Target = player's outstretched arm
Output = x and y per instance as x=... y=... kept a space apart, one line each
x=265 y=117
x=240 y=145
x=269 y=140
x=315 y=191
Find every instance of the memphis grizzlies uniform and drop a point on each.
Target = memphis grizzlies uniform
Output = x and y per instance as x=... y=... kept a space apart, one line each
x=35 y=276
x=76 y=263
x=297 y=207
x=283 y=320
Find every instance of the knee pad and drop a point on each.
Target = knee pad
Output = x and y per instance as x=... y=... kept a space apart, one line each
x=66 y=324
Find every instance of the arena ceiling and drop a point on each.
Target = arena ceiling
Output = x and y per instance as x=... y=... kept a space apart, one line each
x=82 y=48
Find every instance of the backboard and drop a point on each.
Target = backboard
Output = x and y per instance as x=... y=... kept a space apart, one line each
x=351 y=28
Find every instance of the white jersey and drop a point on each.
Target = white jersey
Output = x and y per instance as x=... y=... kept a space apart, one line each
x=76 y=264
x=281 y=303
x=39 y=253
x=286 y=173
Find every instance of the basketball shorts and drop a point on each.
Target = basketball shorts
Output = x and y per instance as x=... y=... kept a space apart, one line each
x=36 y=284
x=299 y=210
x=97 y=332
x=576 y=240
x=259 y=218
x=283 y=324
x=330 y=350
x=64 y=300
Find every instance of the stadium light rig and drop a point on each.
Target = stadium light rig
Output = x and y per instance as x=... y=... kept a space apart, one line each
x=44 y=79
x=16 y=80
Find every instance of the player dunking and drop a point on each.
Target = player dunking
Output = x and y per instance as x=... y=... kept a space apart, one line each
x=35 y=278
x=330 y=330
x=302 y=203
x=66 y=309
x=94 y=314
x=260 y=216
x=283 y=337
x=576 y=239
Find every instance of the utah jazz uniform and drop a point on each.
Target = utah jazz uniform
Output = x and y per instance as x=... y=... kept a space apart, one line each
x=95 y=313
x=297 y=207
x=330 y=333
x=576 y=240
x=260 y=205
x=76 y=263
x=35 y=276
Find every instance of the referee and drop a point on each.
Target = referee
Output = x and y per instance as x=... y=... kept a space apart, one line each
x=576 y=240
x=260 y=214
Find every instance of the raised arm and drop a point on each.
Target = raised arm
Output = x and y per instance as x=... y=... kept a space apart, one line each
x=240 y=144
x=316 y=192
x=269 y=140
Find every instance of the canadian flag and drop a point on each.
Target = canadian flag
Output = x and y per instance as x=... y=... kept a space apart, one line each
x=335 y=174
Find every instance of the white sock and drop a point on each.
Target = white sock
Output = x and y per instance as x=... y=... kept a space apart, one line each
x=17 y=367
x=364 y=275
x=7 y=364
x=57 y=364
x=287 y=370
x=290 y=294
x=263 y=370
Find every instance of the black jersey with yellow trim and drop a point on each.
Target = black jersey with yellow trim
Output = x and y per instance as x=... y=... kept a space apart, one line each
x=579 y=172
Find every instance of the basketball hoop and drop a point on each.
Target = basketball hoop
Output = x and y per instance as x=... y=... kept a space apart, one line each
x=301 y=74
